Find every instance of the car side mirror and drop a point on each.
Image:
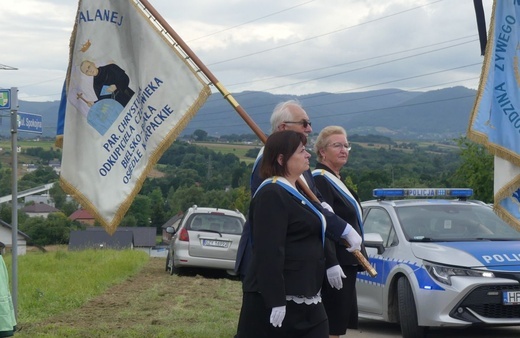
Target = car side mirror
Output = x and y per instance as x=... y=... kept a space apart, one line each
x=170 y=230
x=374 y=240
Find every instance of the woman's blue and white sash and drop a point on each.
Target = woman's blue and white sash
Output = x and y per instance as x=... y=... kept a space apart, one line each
x=343 y=190
x=292 y=190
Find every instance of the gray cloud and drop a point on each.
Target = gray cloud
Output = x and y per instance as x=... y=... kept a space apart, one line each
x=332 y=45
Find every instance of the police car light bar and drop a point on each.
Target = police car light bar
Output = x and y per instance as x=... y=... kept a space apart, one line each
x=423 y=192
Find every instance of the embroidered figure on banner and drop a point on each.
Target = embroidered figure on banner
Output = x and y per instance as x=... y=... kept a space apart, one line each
x=111 y=87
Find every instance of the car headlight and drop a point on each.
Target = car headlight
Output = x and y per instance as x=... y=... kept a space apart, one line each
x=443 y=274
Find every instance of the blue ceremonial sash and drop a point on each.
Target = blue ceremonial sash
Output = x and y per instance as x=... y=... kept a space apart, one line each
x=343 y=190
x=287 y=186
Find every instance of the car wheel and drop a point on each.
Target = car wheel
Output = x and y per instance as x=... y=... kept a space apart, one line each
x=408 y=311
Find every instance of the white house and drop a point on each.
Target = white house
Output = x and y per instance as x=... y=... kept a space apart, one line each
x=6 y=237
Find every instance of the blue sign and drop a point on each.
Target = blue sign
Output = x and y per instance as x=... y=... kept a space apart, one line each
x=5 y=99
x=31 y=123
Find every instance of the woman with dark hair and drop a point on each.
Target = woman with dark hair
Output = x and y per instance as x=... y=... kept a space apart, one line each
x=7 y=316
x=281 y=292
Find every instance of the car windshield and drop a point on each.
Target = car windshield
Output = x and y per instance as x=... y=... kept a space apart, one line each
x=454 y=222
x=215 y=222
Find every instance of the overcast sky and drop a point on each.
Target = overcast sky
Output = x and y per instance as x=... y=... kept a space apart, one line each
x=279 y=46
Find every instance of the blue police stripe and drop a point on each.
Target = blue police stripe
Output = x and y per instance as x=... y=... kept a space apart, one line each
x=384 y=266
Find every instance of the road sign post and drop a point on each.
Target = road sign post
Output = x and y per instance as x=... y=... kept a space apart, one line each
x=9 y=101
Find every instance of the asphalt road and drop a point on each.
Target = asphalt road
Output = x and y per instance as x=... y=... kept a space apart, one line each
x=375 y=329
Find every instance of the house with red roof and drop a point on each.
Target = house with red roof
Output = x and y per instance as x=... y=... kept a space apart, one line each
x=82 y=216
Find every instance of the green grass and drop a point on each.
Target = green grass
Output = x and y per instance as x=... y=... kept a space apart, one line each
x=106 y=293
x=238 y=150
x=54 y=282
x=46 y=145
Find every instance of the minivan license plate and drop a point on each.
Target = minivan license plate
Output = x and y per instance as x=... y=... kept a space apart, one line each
x=511 y=298
x=212 y=242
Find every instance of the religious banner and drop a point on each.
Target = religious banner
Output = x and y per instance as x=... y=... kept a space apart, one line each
x=129 y=93
x=495 y=119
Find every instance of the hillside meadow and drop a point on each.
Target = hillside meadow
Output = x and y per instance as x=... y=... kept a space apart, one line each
x=108 y=293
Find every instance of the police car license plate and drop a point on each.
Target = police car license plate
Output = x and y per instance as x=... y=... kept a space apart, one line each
x=511 y=298
x=212 y=242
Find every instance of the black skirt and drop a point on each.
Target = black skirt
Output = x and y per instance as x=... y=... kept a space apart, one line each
x=301 y=320
x=341 y=305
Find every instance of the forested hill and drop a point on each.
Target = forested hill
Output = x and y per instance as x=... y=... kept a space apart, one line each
x=434 y=115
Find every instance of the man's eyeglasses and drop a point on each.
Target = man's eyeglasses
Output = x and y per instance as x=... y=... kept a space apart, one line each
x=339 y=146
x=304 y=123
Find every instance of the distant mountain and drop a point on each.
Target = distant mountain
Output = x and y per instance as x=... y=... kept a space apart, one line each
x=434 y=115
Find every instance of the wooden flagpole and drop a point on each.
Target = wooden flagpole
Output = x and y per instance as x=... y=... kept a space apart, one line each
x=227 y=95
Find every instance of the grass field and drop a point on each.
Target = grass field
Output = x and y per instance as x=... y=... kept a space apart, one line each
x=238 y=150
x=108 y=293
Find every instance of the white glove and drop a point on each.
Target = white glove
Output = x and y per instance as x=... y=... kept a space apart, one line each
x=326 y=206
x=335 y=275
x=353 y=239
x=277 y=316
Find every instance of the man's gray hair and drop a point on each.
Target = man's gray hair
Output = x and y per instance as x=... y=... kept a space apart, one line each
x=282 y=113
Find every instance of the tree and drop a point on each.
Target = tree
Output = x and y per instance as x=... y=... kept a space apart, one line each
x=200 y=135
x=476 y=170
x=68 y=208
x=58 y=196
x=241 y=198
x=141 y=210
x=6 y=214
x=158 y=216
x=185 y=197
x=55 y=229
x=42 y=175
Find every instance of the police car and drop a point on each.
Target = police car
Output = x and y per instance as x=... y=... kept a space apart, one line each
x=442 y=260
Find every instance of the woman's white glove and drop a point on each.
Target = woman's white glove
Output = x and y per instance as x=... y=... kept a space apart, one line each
x=277 y=316
x=353 y=239
x=327 y=206
x=335 y=275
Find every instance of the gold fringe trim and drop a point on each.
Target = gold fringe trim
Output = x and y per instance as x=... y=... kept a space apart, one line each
x=69 y=188
x=111 y=227
x=508 y=189
x=59 y=141
x=506 y=216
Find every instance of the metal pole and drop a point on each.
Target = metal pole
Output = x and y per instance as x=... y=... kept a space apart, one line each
x=14 y=203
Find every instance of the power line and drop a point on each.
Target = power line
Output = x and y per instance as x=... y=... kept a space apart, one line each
x=322 y=35
x=250 y=21
x=364 y=59
x=5 y=67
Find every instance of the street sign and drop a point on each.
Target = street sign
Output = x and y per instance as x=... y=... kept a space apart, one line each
x=5 y=99
x=31 y=123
